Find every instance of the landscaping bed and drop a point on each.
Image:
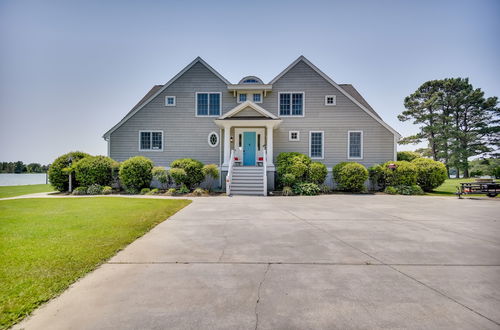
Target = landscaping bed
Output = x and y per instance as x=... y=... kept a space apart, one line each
x=47 y=244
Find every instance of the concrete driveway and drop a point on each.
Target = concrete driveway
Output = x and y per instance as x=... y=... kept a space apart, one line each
x=327 y=262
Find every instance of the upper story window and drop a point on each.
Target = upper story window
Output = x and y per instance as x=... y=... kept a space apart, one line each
x=293 y=136
x=251 y=80
x=316 y=144
x=151 y=140
x=257 y=97
x=170 y=101
x=242 y=97
x=355 y=145
x=330 y=100
x=208 y=104
x=291 y=104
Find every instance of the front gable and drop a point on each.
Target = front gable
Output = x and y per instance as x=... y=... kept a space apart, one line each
x=248 y=109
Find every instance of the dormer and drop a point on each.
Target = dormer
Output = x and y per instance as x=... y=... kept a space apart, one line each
x=250 y=88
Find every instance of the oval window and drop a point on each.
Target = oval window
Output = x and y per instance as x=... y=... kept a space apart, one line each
x=213 y=139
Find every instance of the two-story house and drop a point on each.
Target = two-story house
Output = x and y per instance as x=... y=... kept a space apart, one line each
x=243 y=127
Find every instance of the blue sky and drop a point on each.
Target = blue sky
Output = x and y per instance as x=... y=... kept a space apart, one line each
x=70 y=70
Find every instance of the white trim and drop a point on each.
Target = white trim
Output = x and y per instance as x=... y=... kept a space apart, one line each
x=261 y=97
x=303 y=104
x=170 y=82
x=334 y=100
x=166 y=101
x=250 y=104
x=290 y=136
x=349 y=144
x=334 y=84
x=322 y=144
x=208 y=139
x=208 y=109
x=152 y=131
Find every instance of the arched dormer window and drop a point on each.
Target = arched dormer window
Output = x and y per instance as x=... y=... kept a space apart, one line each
x=251 y=80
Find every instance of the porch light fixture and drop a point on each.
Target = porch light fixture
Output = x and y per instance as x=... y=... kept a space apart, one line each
x=231 y=139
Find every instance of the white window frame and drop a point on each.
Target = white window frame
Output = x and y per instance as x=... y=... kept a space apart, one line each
x=303 y=104
x=261 y=97
x=152 y=131
x=207 y=115
x=334 y=100
x=322 y=144
x=218 y=139
x=290 y=136
x=166 y=101
x=349 y=144
x=239 y=97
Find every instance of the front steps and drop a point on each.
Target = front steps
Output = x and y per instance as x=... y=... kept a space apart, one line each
x=247 y=180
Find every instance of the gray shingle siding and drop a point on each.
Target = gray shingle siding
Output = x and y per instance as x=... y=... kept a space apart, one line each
x=185 y=135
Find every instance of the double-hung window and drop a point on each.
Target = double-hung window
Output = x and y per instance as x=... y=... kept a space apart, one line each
x=208 y=104
x=257 y=97
x=291 y=104
x=242 y=98
x=355 y=145
x=150 y=140
x=316 y=144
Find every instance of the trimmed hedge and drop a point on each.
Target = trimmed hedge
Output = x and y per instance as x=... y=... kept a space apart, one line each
x=161 y=174
x=94 y=170
x=59 y=170
x=430 y=173
x=317 y=173
x=135 y=173
x=408 y=155
x=292 y=163
x=193 y=172
x=350 y=176
x=404 y=173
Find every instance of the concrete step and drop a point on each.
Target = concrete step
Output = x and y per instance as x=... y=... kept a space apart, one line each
x=250 y=186
x=246 y=180
x=245 y=192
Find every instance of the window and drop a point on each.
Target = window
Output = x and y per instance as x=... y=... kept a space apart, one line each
x=208 y=104
x=316 y=144
x=293 y=136
x=251 y=81
x=291 y=104
x=150 y=140
x=257 y=98
x=242 y=98
x=258 y=142
x=330 y=100
x=213 y=139
x=355 y=145
x=239 y=140
x=170 y=101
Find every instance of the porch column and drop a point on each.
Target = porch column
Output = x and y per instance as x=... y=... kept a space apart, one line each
x=269 y=144
x=227 y=144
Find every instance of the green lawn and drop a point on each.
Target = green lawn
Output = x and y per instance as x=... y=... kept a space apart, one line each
x=47 y=244
x=449 y=187
x=11 y=191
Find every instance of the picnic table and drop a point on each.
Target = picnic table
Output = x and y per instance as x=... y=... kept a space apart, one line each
x=489 y=187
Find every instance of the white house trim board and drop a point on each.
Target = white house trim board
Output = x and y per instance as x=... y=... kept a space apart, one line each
x=170 y=82
x=290 y=136
x=166 y=101
x=349 y=144
x=333 y=83
x=248 y=104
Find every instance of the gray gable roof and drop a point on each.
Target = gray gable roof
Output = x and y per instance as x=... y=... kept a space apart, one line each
x=354 y=93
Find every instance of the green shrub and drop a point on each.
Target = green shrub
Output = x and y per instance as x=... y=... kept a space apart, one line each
x=59 y=170
x=307 y=189
x=287 y=191
x=171 y=191
x=145 y=191
x=210 y=171
x=80 y=191
x=107 y=190
x=350 y=176
x=325 y=189
x=391 y=190
x=405 y=173
x=495 y=172
x=377 y=177
x=131 y=191
x=200 y=192
x=183 y=189
x=476 y=173
x=317 y=173
x=409 y=190
x=154 y=191
x=430 y=173
x=288 y=179
x=160 y=173
x=193 y=172
x=408 y=155
x=135 y=173
x=94 y=189
x=178 y=175
x=94 y=170
x=293 y=163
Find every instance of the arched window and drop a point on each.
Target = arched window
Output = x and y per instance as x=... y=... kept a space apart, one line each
x=213 y=139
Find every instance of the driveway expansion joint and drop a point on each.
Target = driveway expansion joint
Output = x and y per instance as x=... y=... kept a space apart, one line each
x=258 y=296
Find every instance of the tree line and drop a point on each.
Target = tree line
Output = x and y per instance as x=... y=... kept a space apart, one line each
x=20 y=167
x=456 y=120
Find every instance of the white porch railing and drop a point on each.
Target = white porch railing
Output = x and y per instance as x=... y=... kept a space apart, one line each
x=264 y=166
x=229 y=176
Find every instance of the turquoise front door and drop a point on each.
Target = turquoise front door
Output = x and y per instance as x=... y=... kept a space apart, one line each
x=249 y=148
